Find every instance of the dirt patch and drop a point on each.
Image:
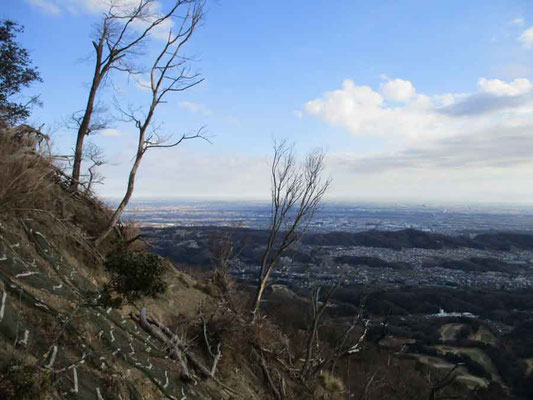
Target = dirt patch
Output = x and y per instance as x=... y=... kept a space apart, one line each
x=448 y=332
x=483 y=335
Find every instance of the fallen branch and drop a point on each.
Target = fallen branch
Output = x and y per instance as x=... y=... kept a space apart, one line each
x=216 y=357
x=177 y=346
x=157 y=332
x=174 y=342
x=269 y=379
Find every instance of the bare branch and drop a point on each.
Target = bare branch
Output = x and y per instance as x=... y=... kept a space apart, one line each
x=317 y=312
x=162 y=142
x=120 y=38
x=167 y=75
x=296 y=194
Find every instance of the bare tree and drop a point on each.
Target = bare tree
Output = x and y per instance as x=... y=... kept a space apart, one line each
x=94 y=154
x=222 y=254
x=312 y=337
x=440 y=383
x=119 y=38
x=349 y=342
x=169 y=73
x=296 y=194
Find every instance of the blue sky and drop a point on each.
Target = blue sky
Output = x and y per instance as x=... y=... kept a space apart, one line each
x=413 y=100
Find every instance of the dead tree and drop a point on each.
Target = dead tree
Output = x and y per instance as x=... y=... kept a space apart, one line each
x=312 y=336
x=350 y=341
x=95 y=155
x=224 y=251
x=169 y=73
x=222 y=254
x=296 y=194
x=119 y=39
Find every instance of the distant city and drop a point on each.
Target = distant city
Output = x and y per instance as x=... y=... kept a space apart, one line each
x=338 y=216
x=180 y=226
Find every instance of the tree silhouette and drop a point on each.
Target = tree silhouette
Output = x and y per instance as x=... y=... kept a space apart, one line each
x=16 y=73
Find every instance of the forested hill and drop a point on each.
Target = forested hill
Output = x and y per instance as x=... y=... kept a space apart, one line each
x=411 y=238
x=402 y=239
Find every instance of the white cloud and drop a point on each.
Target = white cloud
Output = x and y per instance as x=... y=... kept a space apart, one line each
x=153 y=10
x=488 y=131
x=73 y=6
x=298 y=114
x=526 y=38
x=398 y=90
x=396 y=179
x=409 y=176
x=365 y=112
x=110 y=132
x=195 y=107
x=46 y=6
x=518 y=21
x=501 y=88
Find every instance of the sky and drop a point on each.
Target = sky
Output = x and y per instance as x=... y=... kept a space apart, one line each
x=413 y=101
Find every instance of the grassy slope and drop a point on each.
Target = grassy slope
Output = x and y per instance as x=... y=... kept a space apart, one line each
x=45 y=290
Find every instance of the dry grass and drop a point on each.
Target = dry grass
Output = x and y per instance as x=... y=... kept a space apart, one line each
x=25 y=176
x=329 y=387
x=32 y=186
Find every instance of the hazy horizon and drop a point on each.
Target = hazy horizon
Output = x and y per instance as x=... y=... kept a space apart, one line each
x=494 y=206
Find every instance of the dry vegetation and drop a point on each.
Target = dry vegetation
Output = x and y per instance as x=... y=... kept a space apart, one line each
x=25 y=175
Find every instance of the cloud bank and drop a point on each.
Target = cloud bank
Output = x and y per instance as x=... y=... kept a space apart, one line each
x=492 y=127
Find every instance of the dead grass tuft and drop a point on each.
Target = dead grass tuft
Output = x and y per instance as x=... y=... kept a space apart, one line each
x=329 y=387
x=26 y=176
x=31 y=185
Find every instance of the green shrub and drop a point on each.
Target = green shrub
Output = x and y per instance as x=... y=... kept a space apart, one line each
x=135 y=274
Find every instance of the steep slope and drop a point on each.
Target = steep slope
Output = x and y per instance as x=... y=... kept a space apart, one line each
x=50 y=320
x=58 y=338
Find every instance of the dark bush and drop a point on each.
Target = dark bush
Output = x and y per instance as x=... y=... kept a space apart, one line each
x=135 y=274
x=20 y=380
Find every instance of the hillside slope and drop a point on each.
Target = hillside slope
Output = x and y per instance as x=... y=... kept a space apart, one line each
x=50 y=322
x=59 y=339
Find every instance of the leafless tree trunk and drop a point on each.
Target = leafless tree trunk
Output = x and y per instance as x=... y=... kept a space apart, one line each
x=118 y=39
x=296 y=194
x=318 y=310
x=350 y=342
x=169 y=73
